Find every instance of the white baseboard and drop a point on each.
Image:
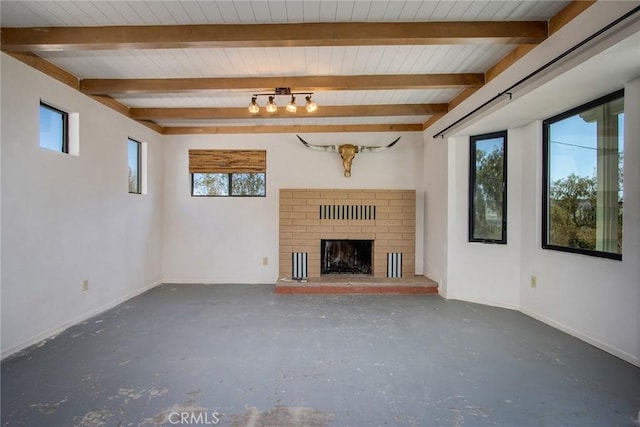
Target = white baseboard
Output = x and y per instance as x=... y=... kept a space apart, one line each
x=634 y=360
x=51 y=333
x=560 y=326
x=483 y=302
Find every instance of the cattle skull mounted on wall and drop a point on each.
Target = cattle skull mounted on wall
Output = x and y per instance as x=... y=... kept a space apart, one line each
x=347 y=151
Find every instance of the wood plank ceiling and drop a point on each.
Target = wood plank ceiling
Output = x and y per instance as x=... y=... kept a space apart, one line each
x=193 y=67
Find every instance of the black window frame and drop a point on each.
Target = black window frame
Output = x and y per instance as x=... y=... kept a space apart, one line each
x=472 y=185
x=139 y=165
x=230 y=186
x=65 y=127
x=546 y=181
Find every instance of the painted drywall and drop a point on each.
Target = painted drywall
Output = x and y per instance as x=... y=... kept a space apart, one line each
x=481 y=272
x=225 y=240
x=66 y=218
x=595 y=299
x=435 y=207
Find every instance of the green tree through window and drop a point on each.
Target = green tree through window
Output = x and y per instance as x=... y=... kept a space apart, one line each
x=134 y=161
x=247 y=184
x=229 y=184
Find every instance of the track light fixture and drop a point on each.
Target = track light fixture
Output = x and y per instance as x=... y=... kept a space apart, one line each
x=291 y=107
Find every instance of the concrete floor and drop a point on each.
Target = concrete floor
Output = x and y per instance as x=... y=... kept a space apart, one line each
x=240 y=355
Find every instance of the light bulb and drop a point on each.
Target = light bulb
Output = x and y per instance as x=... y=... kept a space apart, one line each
x=253 y=107
x=271 y=106
x=311 y=106
x=291 y=107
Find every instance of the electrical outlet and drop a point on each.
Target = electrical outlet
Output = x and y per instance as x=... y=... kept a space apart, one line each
x=265 y=261
x=85 y=285
x=534 y=282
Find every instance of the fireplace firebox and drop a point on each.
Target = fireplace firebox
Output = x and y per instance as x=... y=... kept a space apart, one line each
x=346 y=256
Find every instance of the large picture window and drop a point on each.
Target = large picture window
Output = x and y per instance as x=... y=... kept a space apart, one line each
x=488 y=188
x=582 y=160
x=228 y=172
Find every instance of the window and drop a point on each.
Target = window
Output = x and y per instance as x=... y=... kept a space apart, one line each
x=228 y=172
x=582 y=179
x=134 y=154
x=54 y=129
x=488 y=188
x=228 y=184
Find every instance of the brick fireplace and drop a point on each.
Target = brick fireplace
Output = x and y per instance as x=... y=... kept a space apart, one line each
x=385 y=217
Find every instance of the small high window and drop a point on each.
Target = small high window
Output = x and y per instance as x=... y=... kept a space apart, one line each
x=54 y=128
x=488 y=188
x=582 y=179
x=228 y=172
x=134 y=163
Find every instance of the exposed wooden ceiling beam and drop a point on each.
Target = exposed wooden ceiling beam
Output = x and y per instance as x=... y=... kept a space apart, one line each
x=562 y=18
x=72 y=81
x=191 y=130
x=47 y=68
x=431 y=121
x=296 y=83
x=461 y=97
x=566 y=15
x=271 y=35
x=323 y=111
x=20 y=42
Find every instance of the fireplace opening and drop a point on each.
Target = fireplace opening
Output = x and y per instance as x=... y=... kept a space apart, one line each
x=346 y=256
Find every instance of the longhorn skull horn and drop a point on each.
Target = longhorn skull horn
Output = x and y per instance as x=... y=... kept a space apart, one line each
x=347 y=151
x=376 y=149
x=324 y=148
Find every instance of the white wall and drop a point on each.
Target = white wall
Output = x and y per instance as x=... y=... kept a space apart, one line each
x=69 y=218
x=480 y=272
x=223 y=240
x=436 y=211
x=597 y=300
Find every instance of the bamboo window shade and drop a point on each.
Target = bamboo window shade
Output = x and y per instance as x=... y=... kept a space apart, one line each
x=227 y=161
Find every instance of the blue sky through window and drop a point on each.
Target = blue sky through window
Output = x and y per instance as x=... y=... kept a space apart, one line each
x=489 y=145
x=51 y=129
x=133 y=156
x=573 y=147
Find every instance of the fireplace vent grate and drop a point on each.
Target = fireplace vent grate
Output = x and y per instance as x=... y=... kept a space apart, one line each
x=362 y=212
